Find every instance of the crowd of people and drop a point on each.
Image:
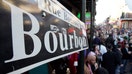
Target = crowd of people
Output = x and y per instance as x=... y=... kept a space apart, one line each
x=111 y=53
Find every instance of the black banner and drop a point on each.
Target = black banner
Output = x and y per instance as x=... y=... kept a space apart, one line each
x=32 y=34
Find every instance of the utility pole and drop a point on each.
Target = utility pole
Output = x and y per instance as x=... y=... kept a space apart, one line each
x=81 y=54
x=92 y=23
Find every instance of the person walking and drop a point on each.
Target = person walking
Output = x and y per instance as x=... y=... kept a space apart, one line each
x=125 y=57
x=110 y=60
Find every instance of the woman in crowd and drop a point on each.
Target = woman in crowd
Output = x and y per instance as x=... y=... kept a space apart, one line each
x=90 y=61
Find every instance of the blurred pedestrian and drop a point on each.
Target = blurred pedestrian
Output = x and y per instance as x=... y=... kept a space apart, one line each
x=110 y=60
x=60 y=65
x=73 y=63
x=125 y=57
x=119 y=57
x=90 y=60
x=99 y=51
x=101 y=70
x=109 y=40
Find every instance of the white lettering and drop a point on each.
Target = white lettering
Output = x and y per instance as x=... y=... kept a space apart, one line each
x=80 y=42
x=63 y=42
x=71 y=38
x=75 y=40
x=18 y=34
x=47 y=42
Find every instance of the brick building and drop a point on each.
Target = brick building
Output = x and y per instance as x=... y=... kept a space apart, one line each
x=126 y=20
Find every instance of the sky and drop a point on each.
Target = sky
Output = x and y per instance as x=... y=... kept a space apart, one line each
x=129 y=3
x=106 y=8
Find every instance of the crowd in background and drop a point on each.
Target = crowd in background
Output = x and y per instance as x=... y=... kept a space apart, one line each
x=111 y=53
x=113 y=50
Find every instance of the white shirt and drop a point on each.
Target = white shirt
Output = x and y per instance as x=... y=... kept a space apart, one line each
x=102 y=49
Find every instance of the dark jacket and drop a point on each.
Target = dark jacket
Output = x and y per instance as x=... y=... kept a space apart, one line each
x=118 y=55
x=110 y=61
x=125 y=54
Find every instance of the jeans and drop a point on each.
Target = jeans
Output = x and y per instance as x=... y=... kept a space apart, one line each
x=117 y=71
x=123 y=68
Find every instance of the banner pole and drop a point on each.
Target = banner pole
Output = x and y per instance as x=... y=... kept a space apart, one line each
x=81 y=54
